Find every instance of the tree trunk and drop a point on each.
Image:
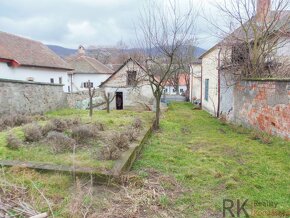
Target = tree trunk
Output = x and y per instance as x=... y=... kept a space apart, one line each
x=108 y=106
x=177 y=89
x=157 y=113
x=91 y=106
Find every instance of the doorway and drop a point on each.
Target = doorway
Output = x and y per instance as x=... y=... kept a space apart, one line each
x=119 y=100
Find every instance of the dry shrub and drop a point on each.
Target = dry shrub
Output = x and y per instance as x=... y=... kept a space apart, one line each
x=137 y=123
x=84 y=132
x=73 y=122
x=132 y=134
x=32 y=132
x=100 y=126
x=59 y=142
x=48 y=127
x=14 y=120
x=120 y=140
x=60 y=125
x=110 y=152
x=13 y=142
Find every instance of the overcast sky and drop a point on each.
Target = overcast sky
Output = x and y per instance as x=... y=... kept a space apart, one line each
x=70 y=23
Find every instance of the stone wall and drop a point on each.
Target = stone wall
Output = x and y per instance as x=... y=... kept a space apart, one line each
x=30 y=97
x=264 y=105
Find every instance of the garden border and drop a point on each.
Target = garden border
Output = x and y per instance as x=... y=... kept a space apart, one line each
x=122 y=165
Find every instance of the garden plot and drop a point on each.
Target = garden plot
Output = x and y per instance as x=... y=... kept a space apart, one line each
x=70 y=138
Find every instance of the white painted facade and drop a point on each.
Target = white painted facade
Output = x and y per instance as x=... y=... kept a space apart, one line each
x=195 y=82
x=77 y=80
x=210 y=74
x=35 y=74
x=133 y=97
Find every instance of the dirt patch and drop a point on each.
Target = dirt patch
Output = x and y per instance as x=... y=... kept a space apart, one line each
x=152 y=195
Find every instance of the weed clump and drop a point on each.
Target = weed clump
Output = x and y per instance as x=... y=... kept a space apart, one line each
x=137 y=123
x=84 y=132
x=13 y=142
x=120 y=140
x=60 y=142
x=14 y=120
x=48 y=127
x=110 y=152
x=132 y=134
x=60 y=125
x=32 y=132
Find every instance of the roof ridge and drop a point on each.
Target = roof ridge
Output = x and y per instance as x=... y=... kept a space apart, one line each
x=22 y=37
x=98 y=62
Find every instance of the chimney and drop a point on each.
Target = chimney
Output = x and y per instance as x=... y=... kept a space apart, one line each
x=81 y=50
x=263 y=8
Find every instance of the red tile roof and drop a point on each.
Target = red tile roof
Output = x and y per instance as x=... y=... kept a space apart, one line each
x=28 y=52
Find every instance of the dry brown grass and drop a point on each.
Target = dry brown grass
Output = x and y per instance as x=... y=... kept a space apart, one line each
x=15 y=199
x=110 y=152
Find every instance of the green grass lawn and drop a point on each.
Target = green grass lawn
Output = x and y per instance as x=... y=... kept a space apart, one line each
x=210 y=161
x=217 y=161
x=84 y=157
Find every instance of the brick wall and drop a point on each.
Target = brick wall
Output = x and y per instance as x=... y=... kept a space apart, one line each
x=264 y=105
x=30 y=97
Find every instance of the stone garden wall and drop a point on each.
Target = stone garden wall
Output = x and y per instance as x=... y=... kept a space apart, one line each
x=30 y=97
x=264 y=105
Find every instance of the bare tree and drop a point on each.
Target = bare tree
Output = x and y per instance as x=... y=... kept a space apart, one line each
x=109 y=97
x=255 y=37
x=92 y=92
x=164 y=28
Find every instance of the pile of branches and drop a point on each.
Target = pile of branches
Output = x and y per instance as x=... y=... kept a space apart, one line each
x=13 y=202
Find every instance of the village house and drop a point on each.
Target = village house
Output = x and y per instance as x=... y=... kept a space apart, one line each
x=217 y=81
x=29 y=60
x=129 y=88
x=86 y=69
x=169 y=89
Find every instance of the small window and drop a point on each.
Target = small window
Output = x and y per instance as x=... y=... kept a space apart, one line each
x=181 y=90
x=87 y=84
x=173 y=90
x=206 y=89
x=68 y=88
x=131 y=78
x=166 y=90
x=51 y=80
x=60 y=80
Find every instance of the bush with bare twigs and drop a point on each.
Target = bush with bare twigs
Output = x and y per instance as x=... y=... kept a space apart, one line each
x=132 y=134
x=110 y=152
x=13 y=120
x=120 y=140
x=48 y=127
x=60 y=125
x=84 y=132
x=32 y=132
x=59 y=142
x=137 y=123
x=13 y=142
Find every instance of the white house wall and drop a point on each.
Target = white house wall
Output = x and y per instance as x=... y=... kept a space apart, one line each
x=132 y=97
x=210 y=72
x=79 y=79
x=38 y=74
x=195 y=81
